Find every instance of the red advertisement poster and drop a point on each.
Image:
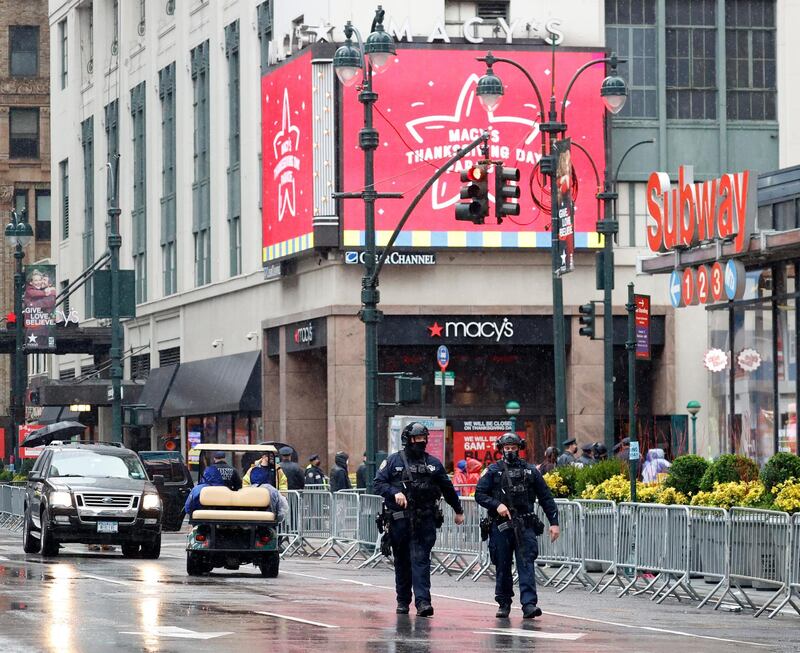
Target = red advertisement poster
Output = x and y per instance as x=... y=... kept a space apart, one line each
x=478 y=439
x=425 y=113
x=24 y=431
x=287 y=159
x=39 y=306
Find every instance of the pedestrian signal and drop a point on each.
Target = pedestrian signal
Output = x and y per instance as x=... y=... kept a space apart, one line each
x=586 y=319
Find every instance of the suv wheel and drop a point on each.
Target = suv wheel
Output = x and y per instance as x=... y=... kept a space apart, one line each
x=130 y=550
x=151 y=550
x=269 y=564
x=30 y=544
x=49 y=544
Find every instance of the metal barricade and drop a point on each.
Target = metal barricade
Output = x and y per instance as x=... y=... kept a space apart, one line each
x=6 y=515
x=343 y=526
x=458 y=548
x=566 y=553
x=759 y=552
x=369 y=507
x=313 y=521
x=289 y=539
x=599 y=536
x=624 y=551
x=794 y=570
x=17 y=507
x=710 y=542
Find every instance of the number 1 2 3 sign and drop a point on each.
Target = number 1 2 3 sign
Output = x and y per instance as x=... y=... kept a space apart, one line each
x=708 y=284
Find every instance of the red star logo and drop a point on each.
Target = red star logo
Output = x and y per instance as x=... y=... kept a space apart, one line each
x=436 y=330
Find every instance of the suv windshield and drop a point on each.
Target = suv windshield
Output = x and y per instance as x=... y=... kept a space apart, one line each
x=95 y=464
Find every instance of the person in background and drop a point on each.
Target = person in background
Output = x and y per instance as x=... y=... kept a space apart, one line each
x=340 y=479
x=474 y=470
x=622 y=449
x=314 y=473
x=600 y=451
x=460 y=478
x=290 y=476
x=261 y=473
x=586 y=458
x=221 y=473
x=655 y=464
x=570 y=450
x=550 y=461
x=361 y=473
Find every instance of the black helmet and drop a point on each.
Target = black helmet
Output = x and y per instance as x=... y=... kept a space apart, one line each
x=412 y=430
x=509 y=438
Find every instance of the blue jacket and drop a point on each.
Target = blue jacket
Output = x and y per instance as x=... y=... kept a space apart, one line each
x=222 y=474
x=489 y=488
x=389 y=481
x=193 y=500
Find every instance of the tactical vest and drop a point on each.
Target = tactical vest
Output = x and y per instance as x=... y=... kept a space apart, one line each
x=419 y=484
x=514 y=489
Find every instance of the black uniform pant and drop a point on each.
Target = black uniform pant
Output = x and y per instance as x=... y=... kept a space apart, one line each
x=503 y=546
x=411 y=545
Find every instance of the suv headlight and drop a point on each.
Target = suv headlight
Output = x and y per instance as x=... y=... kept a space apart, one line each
x=61 y=499
x=151 y=502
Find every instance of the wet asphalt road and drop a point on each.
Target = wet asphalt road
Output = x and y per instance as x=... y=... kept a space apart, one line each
x=84 y=601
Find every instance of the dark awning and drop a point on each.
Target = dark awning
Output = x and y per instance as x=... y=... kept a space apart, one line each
x=226 y=384
x=157 y=387
x=49 y=415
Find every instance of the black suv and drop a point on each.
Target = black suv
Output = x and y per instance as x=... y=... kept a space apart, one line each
x=176 y=487
x=92 y=494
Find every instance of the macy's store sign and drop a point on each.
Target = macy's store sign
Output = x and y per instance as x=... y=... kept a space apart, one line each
x=491 y=330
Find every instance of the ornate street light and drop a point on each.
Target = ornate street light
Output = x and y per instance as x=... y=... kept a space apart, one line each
x=693 y=407
x=512 y=410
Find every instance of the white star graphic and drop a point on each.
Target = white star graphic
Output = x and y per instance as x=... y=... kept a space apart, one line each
x=461 y=113
x=32 y=340
x=563 y=257
x=322 y=32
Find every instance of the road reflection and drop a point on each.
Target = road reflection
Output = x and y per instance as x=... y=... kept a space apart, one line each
x=150 y=606
x=60 y=608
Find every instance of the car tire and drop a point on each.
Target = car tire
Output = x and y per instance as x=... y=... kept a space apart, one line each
x=30 y=543
x=152 y=550
x=269 y=564
x=130 y=550
x=194 y=566
x=49 y=544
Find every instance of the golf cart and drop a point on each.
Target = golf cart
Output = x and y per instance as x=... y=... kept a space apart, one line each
x=231 y=528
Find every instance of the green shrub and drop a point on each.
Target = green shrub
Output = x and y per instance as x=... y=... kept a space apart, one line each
x=686 y=473
x=729 y=468
x=6 y=476
x=781 y=467
x=569 y=476
x=599 y=472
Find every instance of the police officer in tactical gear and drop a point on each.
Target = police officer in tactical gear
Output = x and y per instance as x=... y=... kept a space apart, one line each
x=221 y=473
x=509 y=490
x=411 y=483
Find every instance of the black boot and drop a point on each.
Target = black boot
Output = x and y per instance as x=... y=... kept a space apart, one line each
x=503 y=611
x=424 y=609
x=531 y=610
x=402 y=608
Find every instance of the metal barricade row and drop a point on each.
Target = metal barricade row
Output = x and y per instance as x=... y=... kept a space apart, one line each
x=709 y=547
x=599 y=528
x=794 y=570
x=566 y=554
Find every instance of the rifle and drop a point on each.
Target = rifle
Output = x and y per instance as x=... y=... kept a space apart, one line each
x=383 y=521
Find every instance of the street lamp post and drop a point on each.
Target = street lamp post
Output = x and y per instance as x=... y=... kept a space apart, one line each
x=512 y=410
x=114 y=241
x=614 y=93
x=609 y=227
x=369 y=57
x=18 y=233
x=693 y=407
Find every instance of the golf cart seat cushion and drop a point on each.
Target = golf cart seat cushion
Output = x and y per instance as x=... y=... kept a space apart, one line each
x=219 y=496
x=233 y=515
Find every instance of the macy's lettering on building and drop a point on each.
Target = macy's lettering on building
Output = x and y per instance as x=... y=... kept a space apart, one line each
x=693 y=213
x=490 y=330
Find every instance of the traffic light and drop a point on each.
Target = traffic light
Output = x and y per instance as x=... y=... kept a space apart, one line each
x=476 y=191
x=11 y=321
x=586 y=320
x=505 y=188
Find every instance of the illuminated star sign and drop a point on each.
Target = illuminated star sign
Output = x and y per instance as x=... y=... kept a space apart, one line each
x=461 y=114
x=285 y=147
x=435 y=329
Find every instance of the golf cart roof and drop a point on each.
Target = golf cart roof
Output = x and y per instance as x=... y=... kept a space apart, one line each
x=210 y=446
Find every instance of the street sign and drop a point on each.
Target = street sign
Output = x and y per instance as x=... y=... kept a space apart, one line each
x=633 y=452
x=734 y=279
x=449 y=378
x=443 y=357
x=675 y=289
x=641 y=318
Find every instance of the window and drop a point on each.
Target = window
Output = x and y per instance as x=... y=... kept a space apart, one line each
x=66 y=374
x=234 y=150
x=691 y=59
x=23 y=133
x=750 y=67
x=87 y=140
x=201 y=188
x=139 y=213
x=63 y=168
x=631 y=33
x=169 y=262
x=170 y=356
x=140 y=366
x=42 y=215
x=492 y=9
x=264 y=32
x=112 y=129
x=62 y=38
x=21 y=203
x=24 y=51
x=86 y=31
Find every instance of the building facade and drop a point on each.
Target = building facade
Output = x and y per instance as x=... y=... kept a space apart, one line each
x=233 y=132
x=24 y=150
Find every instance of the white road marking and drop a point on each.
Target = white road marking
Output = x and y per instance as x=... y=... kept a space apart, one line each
x=533 y=634
x=302 y=621
x=174 y=631
x=665 y=631
x=105 y=580
x=3 y=558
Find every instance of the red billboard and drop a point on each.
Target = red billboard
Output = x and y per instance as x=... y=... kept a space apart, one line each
x=427 y=109
x=287 y=159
